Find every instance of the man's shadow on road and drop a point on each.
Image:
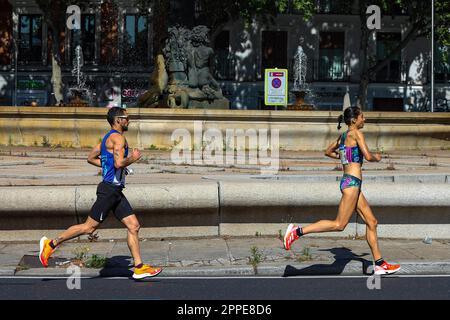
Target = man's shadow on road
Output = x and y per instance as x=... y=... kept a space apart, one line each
x=120 y=266
x=342 y=257
x=117 y=266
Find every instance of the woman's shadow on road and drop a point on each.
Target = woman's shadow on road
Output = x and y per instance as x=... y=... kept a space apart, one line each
x=342 y=257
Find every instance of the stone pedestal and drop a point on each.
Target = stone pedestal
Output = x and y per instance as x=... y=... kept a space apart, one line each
x=76 y=100
x=214 y=104
x=300 y=102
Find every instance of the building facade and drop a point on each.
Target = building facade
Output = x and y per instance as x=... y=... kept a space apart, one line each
x=116 y=40
x=116 y=48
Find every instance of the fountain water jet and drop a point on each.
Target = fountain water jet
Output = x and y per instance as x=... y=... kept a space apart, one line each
x=300 y=87
x=79 y=96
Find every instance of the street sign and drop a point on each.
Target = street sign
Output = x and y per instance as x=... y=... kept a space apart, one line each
x=276 y=87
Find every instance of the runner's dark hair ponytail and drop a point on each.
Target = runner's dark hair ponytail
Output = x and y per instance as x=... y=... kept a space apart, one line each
x=349 y=114
x=340 y=118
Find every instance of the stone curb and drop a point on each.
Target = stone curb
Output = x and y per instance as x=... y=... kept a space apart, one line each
x=311 y=269
x=212 y=195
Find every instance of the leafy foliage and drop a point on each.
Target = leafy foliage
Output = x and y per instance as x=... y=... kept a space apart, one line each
x=216 y=12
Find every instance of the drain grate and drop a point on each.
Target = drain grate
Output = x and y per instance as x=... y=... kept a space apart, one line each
x=32 y=262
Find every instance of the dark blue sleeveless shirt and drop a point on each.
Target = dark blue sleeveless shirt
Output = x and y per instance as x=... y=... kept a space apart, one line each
x=111 y=174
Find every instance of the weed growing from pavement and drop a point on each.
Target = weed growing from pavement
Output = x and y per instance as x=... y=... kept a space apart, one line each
x=81 y=254
x=305 y=256
x=45 y=142
x=82 y=259
x=93 y=236
x=255 y=258
x=433 y=162
x=96 y=261
x=390 y=165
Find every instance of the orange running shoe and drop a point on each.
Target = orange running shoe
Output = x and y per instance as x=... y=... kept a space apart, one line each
x=290 y=236
x=386 y=268
x=45 y=251
x=146 y=271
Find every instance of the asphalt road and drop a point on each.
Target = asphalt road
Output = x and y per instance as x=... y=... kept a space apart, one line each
x=239 y=288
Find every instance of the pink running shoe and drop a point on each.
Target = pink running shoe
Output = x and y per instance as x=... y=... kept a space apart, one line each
x=290 y=236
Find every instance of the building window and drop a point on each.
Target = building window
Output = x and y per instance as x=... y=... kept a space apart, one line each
x=135 y=40
x=387 y=104
x=86 y=38
x=386 y=42
x=274 y=50
x=30 y=39
x=331 y=57
x=223 y=60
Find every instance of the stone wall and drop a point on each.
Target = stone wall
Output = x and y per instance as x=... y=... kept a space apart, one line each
x=298 y=130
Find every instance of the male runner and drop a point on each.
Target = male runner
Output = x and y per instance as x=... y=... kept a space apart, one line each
x=112 y=156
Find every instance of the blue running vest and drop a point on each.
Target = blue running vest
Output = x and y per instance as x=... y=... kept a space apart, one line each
x=111 y=174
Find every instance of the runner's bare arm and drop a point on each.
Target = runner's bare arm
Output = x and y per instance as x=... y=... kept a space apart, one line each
x=373 y=157
x=119 y=152
x=94 y=156
x=331 y=150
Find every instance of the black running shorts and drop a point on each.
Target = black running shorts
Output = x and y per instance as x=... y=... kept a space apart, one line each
x=110 y=198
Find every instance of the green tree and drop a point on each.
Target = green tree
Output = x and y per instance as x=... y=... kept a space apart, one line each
x=213 y=13
x=419 y=16
x=217 y=13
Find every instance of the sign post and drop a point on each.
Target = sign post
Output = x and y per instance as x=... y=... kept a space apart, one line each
x=276 y=87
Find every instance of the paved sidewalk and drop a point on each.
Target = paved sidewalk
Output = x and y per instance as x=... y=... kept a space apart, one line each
x=234 y=256
x=36 y=166
x=39 y=166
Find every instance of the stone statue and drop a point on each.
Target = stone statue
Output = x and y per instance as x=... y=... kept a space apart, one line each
x=243 y=57
x=200 y=59
x=175 y=54
x=187 y=59
x=158 y=83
